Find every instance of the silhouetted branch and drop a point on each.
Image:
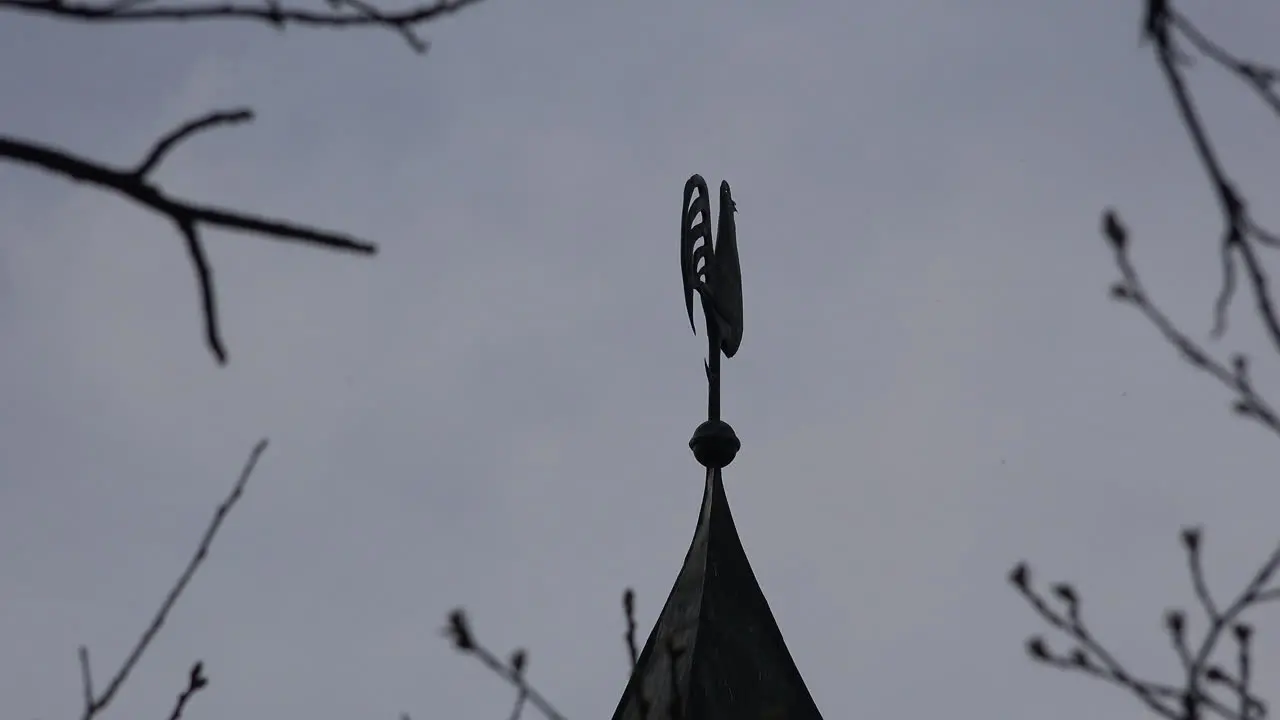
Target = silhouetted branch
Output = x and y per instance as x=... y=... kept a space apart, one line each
x=341 y=13
x=1236 y=377
x=186 y=130
x=518 y=658
x=1204 y=681
x=1261 y=78
x=1207 y=687
x=96 y=703
x=196 y=681
x=188 y=216
x=1241 y=237
x=1163 y=26
x=458 y=630
x=629 y=610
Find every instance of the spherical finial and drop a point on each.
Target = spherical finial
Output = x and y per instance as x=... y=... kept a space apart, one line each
x=715 y=444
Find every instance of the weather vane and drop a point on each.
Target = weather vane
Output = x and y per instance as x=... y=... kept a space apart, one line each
x=715 y=274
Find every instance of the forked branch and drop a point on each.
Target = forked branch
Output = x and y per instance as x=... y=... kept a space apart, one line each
x=188 y=216
x=1236 y=377
x=459 y=632
x=135 y=183
x=464 y=640
x=95 y=702
x=1242 y=235
x=1243 y=238
x=1207 y=686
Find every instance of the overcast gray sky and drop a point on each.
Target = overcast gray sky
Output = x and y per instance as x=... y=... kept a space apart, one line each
x=494 y=411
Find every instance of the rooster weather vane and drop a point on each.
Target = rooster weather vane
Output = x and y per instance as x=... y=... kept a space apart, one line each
x=714 y=273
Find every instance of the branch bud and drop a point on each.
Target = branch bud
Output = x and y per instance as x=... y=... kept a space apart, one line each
x=1037 y=649
x=1117 y=236
x=1066 y=594
x=459 y=631
x=1191 y=539
x=1020 y=576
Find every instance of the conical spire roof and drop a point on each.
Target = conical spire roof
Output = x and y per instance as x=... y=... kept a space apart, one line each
x=716 y=652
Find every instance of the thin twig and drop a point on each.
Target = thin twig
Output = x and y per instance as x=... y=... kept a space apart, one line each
x=95 y=704
x=86 y=680
x=629 y=609
x=1197 y=575
x=196 y=681
x=1130 y=290
x=1261 y=78
x=1175 y=703
x=458 y=630
x=403 y=22
x=186 y=130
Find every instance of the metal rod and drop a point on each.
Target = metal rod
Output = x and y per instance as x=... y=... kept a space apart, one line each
x=713 y=363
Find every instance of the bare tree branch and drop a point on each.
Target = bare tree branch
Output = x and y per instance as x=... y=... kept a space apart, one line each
x=1242 y=236
x=459 y=632
x=186 y=130
x=1261 y=78
x=342 y=13
x=187 y=216
x=1236 y=377
x=96 y=703
x=629 y=610
x=1206 y=688
x=1204 y=683
x=196 y=681
x=1163 y=26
